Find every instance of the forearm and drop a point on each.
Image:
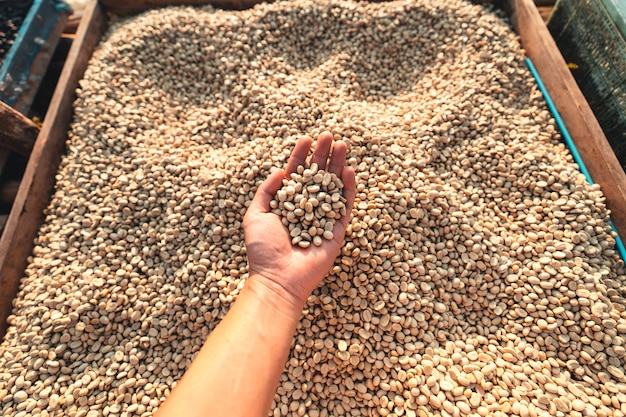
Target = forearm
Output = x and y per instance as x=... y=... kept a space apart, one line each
x=237 y=370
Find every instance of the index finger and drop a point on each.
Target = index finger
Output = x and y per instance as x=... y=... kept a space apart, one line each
x=338 y=158
x=322 y=149
x=299 y=154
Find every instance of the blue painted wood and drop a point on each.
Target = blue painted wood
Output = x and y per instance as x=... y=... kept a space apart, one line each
x=25 y=64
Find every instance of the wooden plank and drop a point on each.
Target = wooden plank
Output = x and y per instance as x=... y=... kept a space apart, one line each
x=544 y=3
x=18 y=133
x=583 y=127
x=4 y=157
x=35 y=189
x=3 y=222
x=8 y=192
x=37 y=41
x=545 y=12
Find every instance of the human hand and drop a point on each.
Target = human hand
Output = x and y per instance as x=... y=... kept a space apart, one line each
x=289 y=271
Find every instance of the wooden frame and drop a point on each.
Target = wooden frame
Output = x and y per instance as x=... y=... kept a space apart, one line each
x=33 y=196
x=27 y=213
x=583 y=127
x=19 y=132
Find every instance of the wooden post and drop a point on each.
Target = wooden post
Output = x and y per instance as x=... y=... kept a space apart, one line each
x=18 y=133
x=8 y=192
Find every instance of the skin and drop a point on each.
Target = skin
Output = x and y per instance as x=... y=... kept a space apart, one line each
x=237 y=370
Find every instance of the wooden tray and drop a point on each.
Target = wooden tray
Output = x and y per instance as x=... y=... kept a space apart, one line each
x=34 y=193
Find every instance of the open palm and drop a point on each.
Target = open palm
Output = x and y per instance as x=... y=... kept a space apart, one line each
x=291 y=271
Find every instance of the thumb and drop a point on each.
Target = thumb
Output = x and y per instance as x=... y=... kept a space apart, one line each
x=266 y=192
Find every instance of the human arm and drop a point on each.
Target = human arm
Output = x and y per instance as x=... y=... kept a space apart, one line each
x=238 y=368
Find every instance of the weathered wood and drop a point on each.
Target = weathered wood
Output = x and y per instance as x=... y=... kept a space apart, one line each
x=3 y=222
x=37 y=183
x=583 y=127
x=544 y=3
x=18 y=133
x=8 y=191
x=544 y=12
x=4 y=157
x=39 y=65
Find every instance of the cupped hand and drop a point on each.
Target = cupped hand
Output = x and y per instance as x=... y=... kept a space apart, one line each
x=289 y=271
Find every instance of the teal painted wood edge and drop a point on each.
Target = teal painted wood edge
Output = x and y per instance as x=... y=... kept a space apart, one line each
x=570 y=144
x=41 y=19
